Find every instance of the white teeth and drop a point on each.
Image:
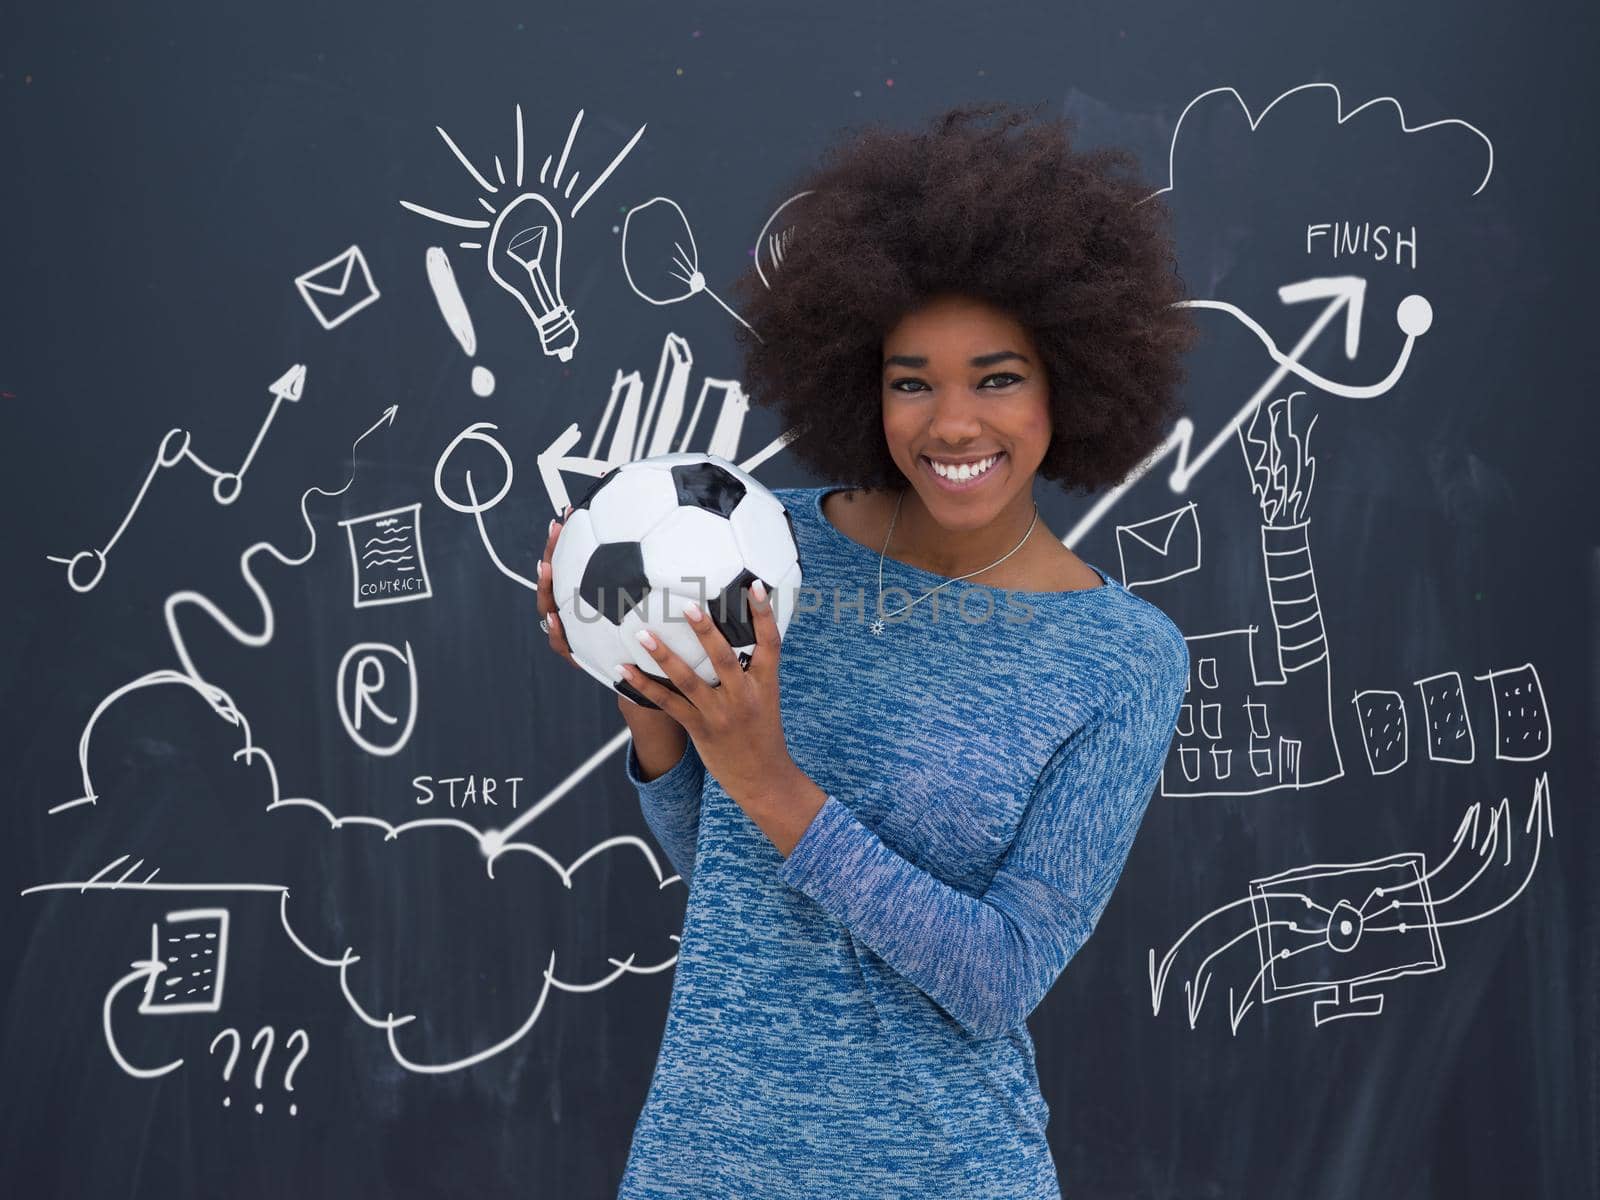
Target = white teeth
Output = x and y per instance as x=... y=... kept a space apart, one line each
x=968 y=471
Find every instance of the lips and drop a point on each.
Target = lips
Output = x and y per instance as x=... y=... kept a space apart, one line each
x=951 y=485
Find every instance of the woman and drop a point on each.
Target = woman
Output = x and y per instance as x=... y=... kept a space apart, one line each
x=899 y=826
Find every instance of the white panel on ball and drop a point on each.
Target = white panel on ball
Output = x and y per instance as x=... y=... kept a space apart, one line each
x=762 y=536
x=574 y=548
x=592 y=637
x=784 y=594
x=692 y=542
x=633 y=503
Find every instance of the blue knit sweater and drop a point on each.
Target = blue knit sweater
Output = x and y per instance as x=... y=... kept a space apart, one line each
x=849 y=1021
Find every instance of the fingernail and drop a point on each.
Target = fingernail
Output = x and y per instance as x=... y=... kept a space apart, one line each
x=758 y=590
x=620 y=671
x=540 y=570
x=552 y=528
x=646 y=639
x=692 y=610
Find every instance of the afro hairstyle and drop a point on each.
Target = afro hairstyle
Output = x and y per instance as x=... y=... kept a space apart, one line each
x=1070 y=243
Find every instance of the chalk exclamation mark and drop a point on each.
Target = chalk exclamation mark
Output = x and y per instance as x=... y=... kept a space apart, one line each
x=442 y=278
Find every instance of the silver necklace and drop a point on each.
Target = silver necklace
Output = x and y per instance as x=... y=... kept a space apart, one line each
x=877 y=623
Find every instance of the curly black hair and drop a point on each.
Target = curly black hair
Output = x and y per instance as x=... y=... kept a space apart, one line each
x=1063 y=240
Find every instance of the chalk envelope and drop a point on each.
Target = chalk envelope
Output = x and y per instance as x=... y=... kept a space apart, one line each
x=1161 y=548
x=331 y=290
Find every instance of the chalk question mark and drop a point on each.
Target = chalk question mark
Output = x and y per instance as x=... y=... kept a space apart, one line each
x=233 y=1058
x=264 y=1032
x=288 y=1076
x=263 y=1035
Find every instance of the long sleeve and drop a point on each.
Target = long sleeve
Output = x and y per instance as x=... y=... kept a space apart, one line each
x=832 y=951
x=989 y=960
x=671 y=804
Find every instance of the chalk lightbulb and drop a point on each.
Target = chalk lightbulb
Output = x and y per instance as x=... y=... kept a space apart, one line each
x=525 y=260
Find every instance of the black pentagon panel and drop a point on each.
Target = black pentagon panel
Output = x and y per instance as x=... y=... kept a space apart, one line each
x=614 y=580
x=730 y=610
x=706 y=485
x=638 y=697
x=589 y=494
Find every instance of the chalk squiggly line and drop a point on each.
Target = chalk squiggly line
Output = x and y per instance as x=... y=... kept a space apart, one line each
x=221 y=618
x=223 y=705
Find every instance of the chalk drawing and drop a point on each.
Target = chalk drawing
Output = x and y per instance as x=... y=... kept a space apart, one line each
x=1335 y=930
x=660 y=258
x=85 y=568
x=386 y=560
x=332 y=291
x=523 y=246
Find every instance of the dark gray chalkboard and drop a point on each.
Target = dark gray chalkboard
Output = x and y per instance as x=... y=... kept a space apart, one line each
x=171 y=170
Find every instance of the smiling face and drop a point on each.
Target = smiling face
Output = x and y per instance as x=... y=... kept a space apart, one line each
x=963 y=383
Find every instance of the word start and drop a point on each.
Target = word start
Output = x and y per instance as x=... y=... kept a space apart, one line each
x=478 y=789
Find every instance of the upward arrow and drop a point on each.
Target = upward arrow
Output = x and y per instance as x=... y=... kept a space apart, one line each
x=290 y=384
x=1343 y=291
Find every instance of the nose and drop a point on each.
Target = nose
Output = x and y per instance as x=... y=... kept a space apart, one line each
x=955 y=419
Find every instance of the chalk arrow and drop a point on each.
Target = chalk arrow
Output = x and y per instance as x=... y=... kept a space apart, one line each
x=1474 y=811
x=1196 y=998
x=1466 y=834
x=143 y=970
x=1499 y=815
x=1236 y=1013
x=555 y=460
x=1344 y=294
x=1487 y=853
x=1158 y=974
x=386 y=419
x=1348 y=292
x=290 y=384
x=1539 y=817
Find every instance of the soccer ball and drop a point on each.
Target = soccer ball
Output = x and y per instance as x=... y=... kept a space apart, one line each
x=654 y=533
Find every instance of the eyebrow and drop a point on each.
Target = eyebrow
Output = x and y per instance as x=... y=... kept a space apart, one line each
x=981 y=360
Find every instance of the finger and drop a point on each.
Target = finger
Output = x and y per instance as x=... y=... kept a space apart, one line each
x=716 y=646
x=694 y=690
x=663 y=697
x=765 y=619
x=546 y=589
x=558 y=637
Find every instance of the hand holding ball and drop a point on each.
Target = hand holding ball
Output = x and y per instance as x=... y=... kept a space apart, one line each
x=651 y=535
